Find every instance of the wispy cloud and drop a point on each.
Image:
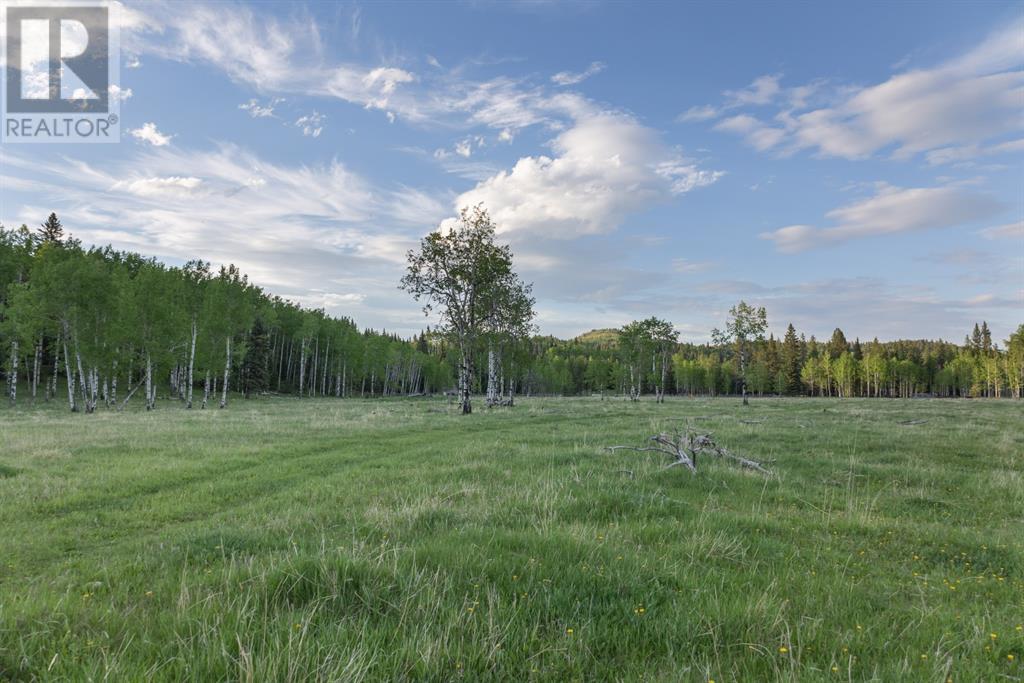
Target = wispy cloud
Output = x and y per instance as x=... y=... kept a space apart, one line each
x=947 y=111
x=891 y=210
x=571 y=78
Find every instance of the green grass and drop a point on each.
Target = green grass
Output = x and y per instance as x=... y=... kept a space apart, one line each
x=282 y=540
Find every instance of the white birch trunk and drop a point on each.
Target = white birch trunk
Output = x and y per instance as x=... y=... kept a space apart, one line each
x=12 y=376
x=37 y=366
x=492 y=378
x=302 y=367
x=227 y=372
x=191 y=365
x=149 y=383
x=70 y=375
x=206 y=389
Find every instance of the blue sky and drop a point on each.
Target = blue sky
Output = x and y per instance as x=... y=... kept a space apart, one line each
x=842 y=165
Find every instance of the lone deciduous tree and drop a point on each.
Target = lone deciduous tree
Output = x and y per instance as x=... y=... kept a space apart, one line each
x=746 y=325
x=460 y=272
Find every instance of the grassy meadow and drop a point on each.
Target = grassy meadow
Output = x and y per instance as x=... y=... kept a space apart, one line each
x=338 y=540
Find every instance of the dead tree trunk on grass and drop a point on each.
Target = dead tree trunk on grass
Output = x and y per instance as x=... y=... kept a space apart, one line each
x=685 y=447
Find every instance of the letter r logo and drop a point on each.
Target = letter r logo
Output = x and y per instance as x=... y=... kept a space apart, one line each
x=58 y=60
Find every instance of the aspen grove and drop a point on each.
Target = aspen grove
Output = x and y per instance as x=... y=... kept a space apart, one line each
x=98 y=326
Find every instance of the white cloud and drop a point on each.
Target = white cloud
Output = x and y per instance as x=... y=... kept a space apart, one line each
x=156 y=186
x=605 y=167
x=682 y=265
x=258 y=49
x=311 y=124
x=701 y=113
x=570 y=78
x=1005 y=232
x=947 y=110
x=759 y=135
x=762 y=91
x=949 y=155
x=306 y=228
x=891 y=210
x=149 y=133
x=118 y=94
x=258 y=111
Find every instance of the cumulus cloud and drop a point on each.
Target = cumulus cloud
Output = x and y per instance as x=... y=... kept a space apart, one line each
x=118 y=94
x=891 y=210
x=149 y=133
x=604 y=167
x=570 y=78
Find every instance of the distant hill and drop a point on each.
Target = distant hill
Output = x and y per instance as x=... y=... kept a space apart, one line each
x=602 y=338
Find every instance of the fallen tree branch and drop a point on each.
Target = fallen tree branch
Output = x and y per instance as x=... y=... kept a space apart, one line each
x=684 y=447
x=912 y=422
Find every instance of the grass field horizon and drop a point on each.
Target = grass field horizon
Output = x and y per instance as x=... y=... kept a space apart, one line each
x=392 y=539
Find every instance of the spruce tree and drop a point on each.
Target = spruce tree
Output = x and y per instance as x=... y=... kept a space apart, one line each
x=256 y=367
x=52 y=231
x=791 y=361
x=837 y=345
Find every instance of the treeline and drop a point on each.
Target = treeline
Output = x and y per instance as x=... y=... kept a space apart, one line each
x=98 y=326
x=793 y=366
x=101 y=327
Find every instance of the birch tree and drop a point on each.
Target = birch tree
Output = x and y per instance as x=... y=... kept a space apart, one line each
x=462 y=274
x=746 y=326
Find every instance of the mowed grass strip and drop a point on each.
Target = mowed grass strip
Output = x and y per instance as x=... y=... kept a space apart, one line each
x=288 y=540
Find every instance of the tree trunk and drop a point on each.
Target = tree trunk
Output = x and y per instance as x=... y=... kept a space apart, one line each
x=227 y=372
x=302 y=367
x=37 y=367
x=12 y=376
x=83 y=383
x=149 y=383
x=465 y=370
x=206 y=389
x=191 y=365
x=492 y=378
x=70 y=374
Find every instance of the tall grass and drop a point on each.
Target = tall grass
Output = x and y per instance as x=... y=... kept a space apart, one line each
x=286 y=540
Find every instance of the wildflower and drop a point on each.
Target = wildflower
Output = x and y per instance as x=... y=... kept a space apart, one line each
x=783 y=649
x=568 y=631
x=924 y=656
x=1010 y=657
x=993 y=636
x=835 y=669
x=149 y=594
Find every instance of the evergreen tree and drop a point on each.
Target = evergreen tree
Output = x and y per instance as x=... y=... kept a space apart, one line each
x=837 y=345
x=256 y=366
x=51 y=231
x=791 y=361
